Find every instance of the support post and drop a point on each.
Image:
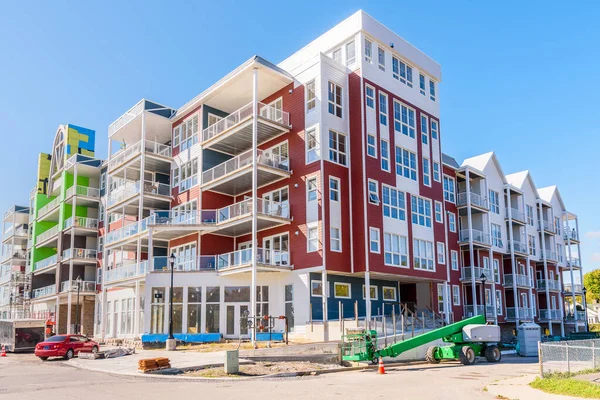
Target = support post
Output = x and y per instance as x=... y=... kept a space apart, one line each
x=254 y=251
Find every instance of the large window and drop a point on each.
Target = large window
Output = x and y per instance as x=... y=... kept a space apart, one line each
x=374 y=240
x=373 y=192
x=395 y=250
x=423 y=255
x=311 y=189
x=393 y=203
x=334 y=189
x=368 y=51
x=370 y=96
x=194 y=309
x=494 y=202
x=454 y=260
x=213 y=300
x=337 y=147
x=449 y=189
x=385 y=155
x=311 y=96
x=402 y=71
x=421 y=211
x=312 y=146
x=529 y=209
x=406 y=163
x=188 y=133
x=426 y=172
x=404 y=119
x=383 y=108
x=187 y=175
x=335 y=99
x=350 y=53
x=335 y=242
x=496 y=235
x=531 y=245
x=157 y=312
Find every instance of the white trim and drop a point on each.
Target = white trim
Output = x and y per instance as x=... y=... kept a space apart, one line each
x=335 y=284
x=378 y=241
x=364 y=292
x=392 y=288
x=442 y=252
x=331 y=239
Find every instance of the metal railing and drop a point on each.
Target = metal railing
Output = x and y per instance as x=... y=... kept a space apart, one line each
x=186 y=264
x=132 y=189
x=572 y=235
x=20 y=230
x=126 y=272
x=550 y=255
x=243 y=257
x=467 y=273
x=47 y=234
x=574 y=262
x=476 y=200
x=550 y=314
x=129 y=152
x=49 y=207
x=44 y=291
x=46 y=262
x=73 y=286
x=84 y=254
x=522 y=280
x=14 y=255
x=524 y=312
x=83 y=191
x=546 y=225
x=517 y=246
x=264 y=111
x=129 y=230
x=573 y=288
x=571 y=315
x=477 y=236
x=471 y=311
x=126 y=118
x=516 y=214
x=551 y=284
x=569 y=356
x=81 y=222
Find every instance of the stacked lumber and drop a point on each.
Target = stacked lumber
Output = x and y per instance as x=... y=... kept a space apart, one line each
x=153 y=364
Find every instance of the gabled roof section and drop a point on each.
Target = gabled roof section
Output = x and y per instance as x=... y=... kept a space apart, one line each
x=546 y=194
x=481 y=161
x=518 y=180
x=449 y=161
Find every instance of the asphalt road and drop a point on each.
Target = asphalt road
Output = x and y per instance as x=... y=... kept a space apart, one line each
x=25 y=377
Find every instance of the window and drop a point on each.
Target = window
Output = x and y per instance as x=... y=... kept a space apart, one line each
x=337 y=147
x=335 y=242
x=103 y=181
x=404 y=119
x=395 y=250
x=368 y=51
x=423 y=255
x=440 y=297
x=311 y=188
x=374 y=240
x=436 y=171
x=175 y=138
x=370 y=95
x=406 y=163
x=311 y=96
x=449 y=193
x=213 y=119
x=432 y=90
x=402 y=72
x=426 y=172
x=529 y=215
x=498 y=302
x=421 y=211
x=452 y=222
x=454 y=260
x=381 y=58
x=337 y=55
x=531 y=245
x=393 y=203
x=157 y=311
x=312 y=146
x=559 y=252
x=313 y=238
x=424 y=129
x=341 y=290
x=188 y=175
x=389 y=293
x=434 y=129
x=422 y=84
x=372 y=292
x=316 y=288
x=373 y=192
x=194 y=309
x=557 y=225
x=496 y=265
x=289 y=305
x=441 y=253
x=335 y=99
x=496 y=235
x=456 y=295
x=438 y=212
x=494 y=202
x=189 y=133
x=371 y=145
x=334 y=189
x=350 y=53
x=385 y=155
x=383 y=111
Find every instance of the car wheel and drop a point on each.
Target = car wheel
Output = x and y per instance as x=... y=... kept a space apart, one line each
x=95 y=349
x=43 y=358
x=69 y=354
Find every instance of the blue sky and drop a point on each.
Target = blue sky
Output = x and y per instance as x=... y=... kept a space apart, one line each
x=519 y=78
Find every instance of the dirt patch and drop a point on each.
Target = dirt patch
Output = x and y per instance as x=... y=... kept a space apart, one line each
x=263 y=368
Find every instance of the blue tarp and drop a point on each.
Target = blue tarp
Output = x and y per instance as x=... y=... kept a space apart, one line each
x=183 y=337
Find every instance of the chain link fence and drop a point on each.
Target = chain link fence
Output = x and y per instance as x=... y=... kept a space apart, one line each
x=569 y=356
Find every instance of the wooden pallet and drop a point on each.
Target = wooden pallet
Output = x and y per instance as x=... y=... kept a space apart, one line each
x=153 y=364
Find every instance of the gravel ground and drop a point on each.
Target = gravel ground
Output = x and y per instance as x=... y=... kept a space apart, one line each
x=264 y=368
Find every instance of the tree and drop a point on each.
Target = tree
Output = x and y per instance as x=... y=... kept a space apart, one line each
x=591 y=281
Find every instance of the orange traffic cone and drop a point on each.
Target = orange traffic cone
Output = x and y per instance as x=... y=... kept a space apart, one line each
x=3 y=351
x=381 y=369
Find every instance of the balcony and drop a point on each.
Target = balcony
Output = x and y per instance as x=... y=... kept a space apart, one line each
x=552 y=285
x=241 y=261
x=525 y=313
x=477 y=200
x=234 y=176
x=550 y=256
x=19 y=234
x=128 y=231
x=522 y=281
x=15 y=257
x=46 y=238
x=45 y=263
x=468 y=272
x=73 y=286
x=126 y=272
x=85 y=255
x=549 y=314
x=573 y=288
x=547 y=226
x=86 y=196
x=186 y=264
x=572 y=236
x=157 y=194
x=476 y=236
x=574 y=263
x=159 y=151
x=571 y=316
x=50 y=210
x=516 y=214
x=518 y=247
x=233 y=134
x=471 y=311
x=81 y=223
x=43 y=292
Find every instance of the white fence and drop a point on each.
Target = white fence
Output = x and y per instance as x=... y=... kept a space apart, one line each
x=569 y=356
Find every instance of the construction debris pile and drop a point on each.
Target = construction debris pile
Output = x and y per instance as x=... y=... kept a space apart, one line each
x=153 y=364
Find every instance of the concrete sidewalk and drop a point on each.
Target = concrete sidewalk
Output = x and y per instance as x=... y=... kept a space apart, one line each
x=518 y=388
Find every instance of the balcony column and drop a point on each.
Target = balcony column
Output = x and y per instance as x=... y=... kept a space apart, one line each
x=513 y=260
x=142 y=191
x=492 y=280
x=254 y=251
x=447 y=287
x=104 y=250
x=584 y=300
x=561 y=306
x=136 y=307
x=71 y=246
x=568 y=234
x=545 y=258
x=471 y=251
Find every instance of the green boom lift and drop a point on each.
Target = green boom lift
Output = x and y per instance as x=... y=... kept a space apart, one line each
x=466 y=339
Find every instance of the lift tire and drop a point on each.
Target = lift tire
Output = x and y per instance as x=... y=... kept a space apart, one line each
x=467 y=355
x=430 y=355
x=493 y=354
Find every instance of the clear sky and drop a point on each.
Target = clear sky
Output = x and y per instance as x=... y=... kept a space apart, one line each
x=519 y=78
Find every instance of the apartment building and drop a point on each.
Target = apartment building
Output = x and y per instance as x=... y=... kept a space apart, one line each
x=63 y=222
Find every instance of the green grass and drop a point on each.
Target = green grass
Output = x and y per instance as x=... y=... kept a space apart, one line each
x=565 y=384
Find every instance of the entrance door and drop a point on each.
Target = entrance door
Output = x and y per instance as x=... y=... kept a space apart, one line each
x=236 y=323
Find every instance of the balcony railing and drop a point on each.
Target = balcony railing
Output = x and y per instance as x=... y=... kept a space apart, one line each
x=46 y=262
x=476 y=200
x=471 y=311
x=74 y=286
x=130 y=152
x=126 y=272
x=550 y=255
x=129 y=230
x=574 y=262
x=477 y=236
x=522 y=280
x=546 y=225
x=19 y=255
x=186 y=264
x=44 y=291
x=550 y=283
x=83 y=191
x=516 y=214
x=21 y=230
x=571 y=235
x=81 y=222
x=126 y=118
x=265 y=111
x=571 y=316
x=84 y=254
x=518 y=247
x=573 y=288
x=550 y=314
x=263 y=158
x=47 y=234
x=131 y=189
x=524 y=313
x=49 y=207
x=467 y=273
x=243 y=257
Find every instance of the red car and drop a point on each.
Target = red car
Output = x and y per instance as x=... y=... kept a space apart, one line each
x=65 y=346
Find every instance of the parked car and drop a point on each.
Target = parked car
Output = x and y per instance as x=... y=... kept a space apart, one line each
x=66 y=346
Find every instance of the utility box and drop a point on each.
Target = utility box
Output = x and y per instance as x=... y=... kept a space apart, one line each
x=528 y=336
x=481 y=333
x=232 y=361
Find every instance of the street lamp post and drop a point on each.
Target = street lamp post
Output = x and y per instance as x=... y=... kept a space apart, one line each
x=78 y=280
x=584 y=303
x=483 y=280
x=171 y=343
